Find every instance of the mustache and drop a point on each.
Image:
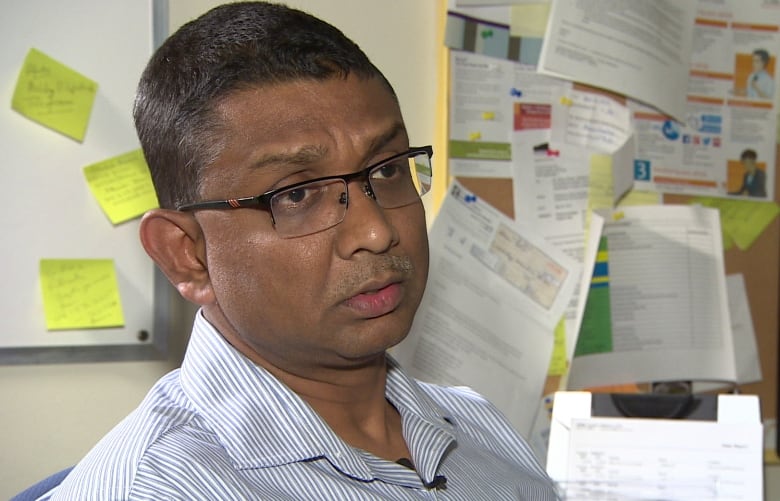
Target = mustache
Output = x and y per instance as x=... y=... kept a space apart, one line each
x=397 y=265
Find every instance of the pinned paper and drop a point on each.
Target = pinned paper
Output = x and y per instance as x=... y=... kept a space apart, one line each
x=50 y=93
x=80 y=293
x=122 y=186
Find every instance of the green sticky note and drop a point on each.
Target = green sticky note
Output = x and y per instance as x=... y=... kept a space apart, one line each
x=122 y=186
x=741 y=221
x=50 y=93
x=80 y=293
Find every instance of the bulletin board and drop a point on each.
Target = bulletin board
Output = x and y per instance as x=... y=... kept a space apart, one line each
x=49 y=211
x=759 y=264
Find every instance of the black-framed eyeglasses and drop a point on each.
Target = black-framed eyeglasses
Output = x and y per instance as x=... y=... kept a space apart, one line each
x=318 y=204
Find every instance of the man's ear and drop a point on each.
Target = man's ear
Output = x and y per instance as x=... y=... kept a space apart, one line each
x=174 y=240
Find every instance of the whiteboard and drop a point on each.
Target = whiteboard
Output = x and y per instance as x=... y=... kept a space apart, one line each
x=48 y=209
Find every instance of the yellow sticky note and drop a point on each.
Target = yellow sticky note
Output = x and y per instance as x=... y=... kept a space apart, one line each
x=80 y=293
x=122 y=186
x=50 y=93
x=600 y=189
x=637 y=197
x=529 y=19
x=558 y=364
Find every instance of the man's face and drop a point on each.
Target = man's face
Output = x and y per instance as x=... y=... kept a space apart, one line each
x=758 y=63
x=750 y=164
x=339 y=297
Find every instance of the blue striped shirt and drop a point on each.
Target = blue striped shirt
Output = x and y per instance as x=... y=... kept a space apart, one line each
x=222 y=428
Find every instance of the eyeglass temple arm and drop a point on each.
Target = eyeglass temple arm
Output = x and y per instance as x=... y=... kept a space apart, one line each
x=233 y=203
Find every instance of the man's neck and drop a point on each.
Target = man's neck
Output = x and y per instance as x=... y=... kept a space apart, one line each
x=354 y=405
x=351 y=399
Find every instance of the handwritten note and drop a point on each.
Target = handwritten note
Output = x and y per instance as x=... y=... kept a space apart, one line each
x=80 y=293
x=122 y=186
x=50 y=93
x=599 y=122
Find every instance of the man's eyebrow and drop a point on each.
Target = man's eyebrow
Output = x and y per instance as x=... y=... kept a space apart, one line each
x=309 y=154
x=302 y=156
x=387 y=137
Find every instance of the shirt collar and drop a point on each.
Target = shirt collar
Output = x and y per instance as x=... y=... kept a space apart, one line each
x=262 y=423
x=421 y=416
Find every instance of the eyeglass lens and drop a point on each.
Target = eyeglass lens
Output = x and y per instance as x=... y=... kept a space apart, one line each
x=318 y=205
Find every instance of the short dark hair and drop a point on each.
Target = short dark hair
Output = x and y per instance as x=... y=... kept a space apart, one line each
x=763 y=54
x=229 y=48
x=748 y=154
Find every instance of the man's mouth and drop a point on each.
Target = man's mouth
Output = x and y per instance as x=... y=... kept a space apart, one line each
x=373 y=303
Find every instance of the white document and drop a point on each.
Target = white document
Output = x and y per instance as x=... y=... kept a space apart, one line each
x=745 y=345
x=641 y=49
x=550 y=193
x=657 y=309
x=495 y=293
x=551 y=190
x=723 y=115
x=598 y=458
x=480 y=107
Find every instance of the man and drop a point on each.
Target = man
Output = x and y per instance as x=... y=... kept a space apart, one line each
x=754 y=179
x=286 y=391
x=760 y=83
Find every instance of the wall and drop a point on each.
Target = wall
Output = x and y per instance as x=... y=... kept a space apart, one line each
x=51 y=415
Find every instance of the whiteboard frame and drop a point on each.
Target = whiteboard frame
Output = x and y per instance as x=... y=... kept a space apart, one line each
x=94 y=350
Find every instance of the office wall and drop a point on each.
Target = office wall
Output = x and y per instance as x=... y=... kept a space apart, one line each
x=52 y=414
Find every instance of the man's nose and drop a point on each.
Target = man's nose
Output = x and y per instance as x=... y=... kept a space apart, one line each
x=365 y=225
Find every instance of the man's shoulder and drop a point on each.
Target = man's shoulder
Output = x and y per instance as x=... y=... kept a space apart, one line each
x=162 y=419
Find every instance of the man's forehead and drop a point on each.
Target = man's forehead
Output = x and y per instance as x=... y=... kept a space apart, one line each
x=301 y=86
x=301 y=104
x=299 y=124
